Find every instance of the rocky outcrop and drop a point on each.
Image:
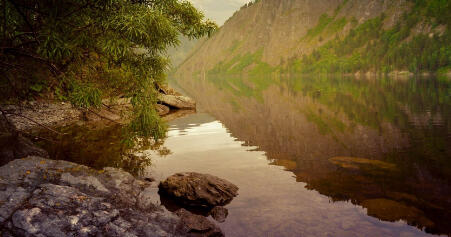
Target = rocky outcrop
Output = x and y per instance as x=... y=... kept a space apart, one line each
x=178 y=101
x=41 y=197
x=202 y=190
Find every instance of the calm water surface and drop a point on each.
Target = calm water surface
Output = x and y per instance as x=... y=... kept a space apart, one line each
x=311 y=156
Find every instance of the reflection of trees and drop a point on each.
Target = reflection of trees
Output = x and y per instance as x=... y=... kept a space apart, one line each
x=303 y=122
x=98 y=145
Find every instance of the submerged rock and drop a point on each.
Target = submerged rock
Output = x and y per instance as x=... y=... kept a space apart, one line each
x=196 y=189
x=198 y=225
x=41 y=197
x=219 y=213
x=178 y=101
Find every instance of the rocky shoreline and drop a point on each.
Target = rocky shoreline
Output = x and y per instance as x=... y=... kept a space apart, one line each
x=35 y=114
x=42 y=197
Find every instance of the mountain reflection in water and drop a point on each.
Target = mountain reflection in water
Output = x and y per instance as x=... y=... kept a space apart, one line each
x=311 y=156
x=382 y=143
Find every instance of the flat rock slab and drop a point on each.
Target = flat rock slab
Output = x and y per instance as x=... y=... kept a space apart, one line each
x=195 y=189
x=41 y=197
x=162 y=109
x=177 y=101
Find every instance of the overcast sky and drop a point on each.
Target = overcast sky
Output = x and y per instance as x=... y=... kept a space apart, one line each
x=219 y=10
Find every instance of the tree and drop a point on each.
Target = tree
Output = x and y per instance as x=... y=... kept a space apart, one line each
x=86 y=50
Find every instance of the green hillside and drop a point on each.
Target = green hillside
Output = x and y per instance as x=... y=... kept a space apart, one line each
x=326 y=36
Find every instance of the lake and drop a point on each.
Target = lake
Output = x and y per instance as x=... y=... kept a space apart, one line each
x=312 y=156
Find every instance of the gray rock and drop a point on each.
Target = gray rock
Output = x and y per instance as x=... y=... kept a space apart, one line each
x=197 y=189
x=41 y=197
x=22 y=219
x=177 y=101
x=146 y=198
x=89 y=181
x=11 y=199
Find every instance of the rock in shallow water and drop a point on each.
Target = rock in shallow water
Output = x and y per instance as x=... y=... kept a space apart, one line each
x=195 y=189
x=178 y=101
x=162 y=109
x=219 y=213
x=41 y=197
x=198 y=225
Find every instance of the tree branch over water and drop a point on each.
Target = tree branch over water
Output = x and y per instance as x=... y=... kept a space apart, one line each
x=84 y=51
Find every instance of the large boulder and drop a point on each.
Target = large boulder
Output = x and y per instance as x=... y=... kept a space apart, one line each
x=41 y=197
x=195 y=189
x=177 y=101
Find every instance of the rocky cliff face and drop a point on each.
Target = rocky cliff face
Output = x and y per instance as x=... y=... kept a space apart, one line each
x=269 y=33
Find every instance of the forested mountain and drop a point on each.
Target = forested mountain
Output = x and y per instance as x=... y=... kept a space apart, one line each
x=345 y=36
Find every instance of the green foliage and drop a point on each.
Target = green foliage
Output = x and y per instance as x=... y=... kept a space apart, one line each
x=85 y=96
x=338 y=9
x=235 y=45
x=368 y=47
x=36 y=87
x=323 y=21
x=336 y=25
x=249 y=62
x=89 y=49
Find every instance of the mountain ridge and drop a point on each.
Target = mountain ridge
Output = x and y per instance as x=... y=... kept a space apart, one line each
x=300 y=35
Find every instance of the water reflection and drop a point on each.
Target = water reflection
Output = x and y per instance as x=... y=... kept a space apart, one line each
x=270 y=201
x=97 y=145
x=382 y=143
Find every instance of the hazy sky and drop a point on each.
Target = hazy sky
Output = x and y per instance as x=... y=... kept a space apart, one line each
x=219 y=10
